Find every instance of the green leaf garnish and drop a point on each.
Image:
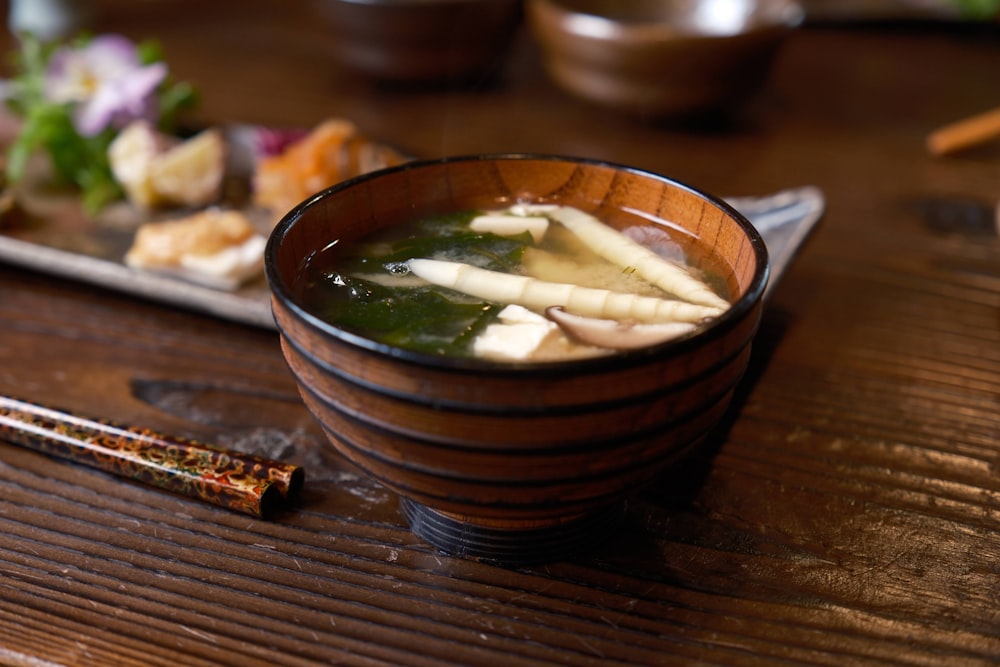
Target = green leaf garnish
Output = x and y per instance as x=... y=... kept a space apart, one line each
x=77 y=144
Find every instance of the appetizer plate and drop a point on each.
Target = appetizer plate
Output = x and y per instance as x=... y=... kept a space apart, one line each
x=57 y=239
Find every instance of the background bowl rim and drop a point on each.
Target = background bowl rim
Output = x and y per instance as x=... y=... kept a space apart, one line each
x=621 y=359
x=607 y=29
x=417 y=3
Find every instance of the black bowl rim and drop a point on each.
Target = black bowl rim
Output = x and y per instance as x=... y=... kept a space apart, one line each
x=618 y=360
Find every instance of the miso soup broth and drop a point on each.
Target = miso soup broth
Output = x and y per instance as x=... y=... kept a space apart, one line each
x=526 y=283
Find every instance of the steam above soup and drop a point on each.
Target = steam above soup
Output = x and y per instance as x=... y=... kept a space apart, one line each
x=533 y=282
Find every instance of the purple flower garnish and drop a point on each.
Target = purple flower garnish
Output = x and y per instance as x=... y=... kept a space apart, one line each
x=106 y=82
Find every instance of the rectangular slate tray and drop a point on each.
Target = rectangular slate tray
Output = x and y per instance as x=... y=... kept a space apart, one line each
x=62 y=242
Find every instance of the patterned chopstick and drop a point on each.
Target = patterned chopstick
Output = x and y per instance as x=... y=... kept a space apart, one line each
x=243 y=482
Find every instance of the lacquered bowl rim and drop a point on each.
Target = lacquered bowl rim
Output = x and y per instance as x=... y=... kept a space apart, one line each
x=735 y=314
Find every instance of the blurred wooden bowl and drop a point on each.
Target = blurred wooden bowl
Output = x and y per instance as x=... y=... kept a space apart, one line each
x=662 y=57
x=513 y=462
x=421 y=41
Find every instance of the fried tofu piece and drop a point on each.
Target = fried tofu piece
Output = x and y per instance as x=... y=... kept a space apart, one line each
x=215 y=247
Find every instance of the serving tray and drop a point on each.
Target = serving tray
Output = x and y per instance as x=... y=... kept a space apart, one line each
x=59 y=240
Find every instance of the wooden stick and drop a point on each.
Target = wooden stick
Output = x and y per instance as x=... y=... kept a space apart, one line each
x=965 y=133
x=237 y=481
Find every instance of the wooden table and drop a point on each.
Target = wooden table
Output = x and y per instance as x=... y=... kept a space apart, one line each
x=848 y=513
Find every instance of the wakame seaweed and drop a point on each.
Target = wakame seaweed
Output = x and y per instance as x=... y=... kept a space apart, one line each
x=420 y=317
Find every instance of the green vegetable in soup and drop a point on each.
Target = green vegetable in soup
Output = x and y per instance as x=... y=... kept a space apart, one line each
x=362 y=295
x=443 y=236
x=418 y=318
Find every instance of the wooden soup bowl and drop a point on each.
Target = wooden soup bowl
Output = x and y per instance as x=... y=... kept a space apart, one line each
x=513 y=462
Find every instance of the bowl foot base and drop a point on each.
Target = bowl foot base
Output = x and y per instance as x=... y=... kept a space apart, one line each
x=512 y=546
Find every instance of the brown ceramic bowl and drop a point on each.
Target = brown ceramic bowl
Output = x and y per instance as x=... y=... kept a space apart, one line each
x=421 y=41
x=513 y=462
x=662 y=57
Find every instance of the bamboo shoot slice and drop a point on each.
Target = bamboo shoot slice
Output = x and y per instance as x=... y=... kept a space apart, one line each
x=511 y=225
x=623 y=251
x=538 y=295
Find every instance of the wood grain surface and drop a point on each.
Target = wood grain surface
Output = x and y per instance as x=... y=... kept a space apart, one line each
x=846 y=513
